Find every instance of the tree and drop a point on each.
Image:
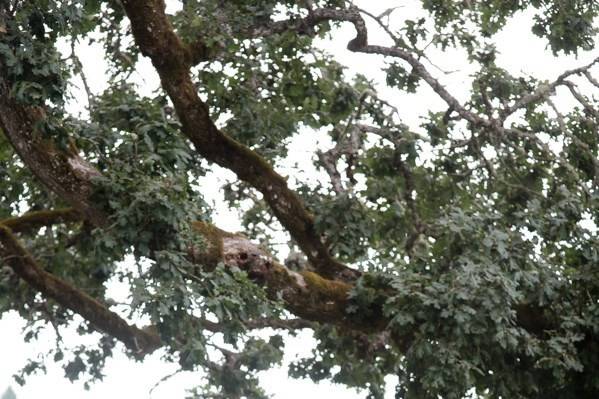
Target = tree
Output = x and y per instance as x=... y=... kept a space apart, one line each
x=461 y=254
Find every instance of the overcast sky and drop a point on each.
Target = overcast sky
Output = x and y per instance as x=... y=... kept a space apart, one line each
x=520 y=51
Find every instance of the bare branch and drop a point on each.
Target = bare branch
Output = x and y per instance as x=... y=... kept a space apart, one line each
x=360 y=44
x=581 y=99
x=545 y=90
x=329 y=160
x=591 y=79
x=379 y=20
x=79 y=68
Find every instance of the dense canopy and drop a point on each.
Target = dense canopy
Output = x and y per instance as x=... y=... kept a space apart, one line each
x=459 y=255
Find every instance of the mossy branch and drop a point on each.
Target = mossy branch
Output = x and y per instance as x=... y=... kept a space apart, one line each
x=157 y=40
x=64 y=172
x=140 y=342
x=37 y=219
x=306 y=294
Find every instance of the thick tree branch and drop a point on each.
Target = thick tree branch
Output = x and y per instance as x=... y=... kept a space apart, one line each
x=64 y=173
x=16 y=256
x=308 y=295
x=34 y=220
x=156 y=39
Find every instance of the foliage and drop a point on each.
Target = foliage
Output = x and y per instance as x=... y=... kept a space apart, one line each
x=477 y=242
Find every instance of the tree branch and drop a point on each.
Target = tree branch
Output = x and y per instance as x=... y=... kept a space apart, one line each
x=34 y=220
x=360 y=44
x=16 y=256
x=64 y=173
x=156 y=39
x=264 y=322
x=545 y=90
x=591 y=79
x=307 y=294
x=582 y=100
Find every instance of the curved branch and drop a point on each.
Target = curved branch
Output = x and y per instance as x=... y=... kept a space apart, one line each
x=545 y=90
x=64 y=173
x=360 y=44
x=100 y=317
x=307 y=294
x=157 y=40
x=37 y=219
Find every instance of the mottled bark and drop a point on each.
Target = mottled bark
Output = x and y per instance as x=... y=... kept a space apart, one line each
x=321 y=297
x=69 y=176
x=156 y=39
x=64 y=173
x=101 y=318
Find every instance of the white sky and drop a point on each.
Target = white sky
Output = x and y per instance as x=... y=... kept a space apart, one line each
x=520 y=51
